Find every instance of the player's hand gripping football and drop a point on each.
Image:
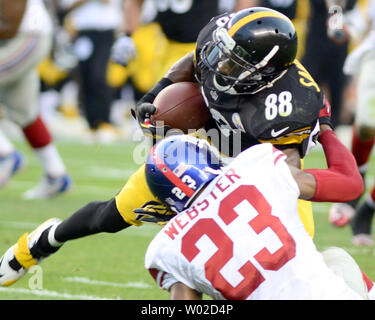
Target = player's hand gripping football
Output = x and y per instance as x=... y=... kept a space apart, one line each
x=143 y=114
x=154 y=212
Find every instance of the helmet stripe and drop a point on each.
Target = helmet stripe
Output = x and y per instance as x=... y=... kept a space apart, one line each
x=170 y=175
x=261 y=14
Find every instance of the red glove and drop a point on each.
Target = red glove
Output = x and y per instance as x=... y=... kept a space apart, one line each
x=325 y=113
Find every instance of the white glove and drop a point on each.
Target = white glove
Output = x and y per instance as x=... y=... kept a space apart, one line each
x=123 y=50
x=62 y=53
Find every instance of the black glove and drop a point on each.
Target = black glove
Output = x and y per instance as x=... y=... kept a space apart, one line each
x=154 y=212
x=143 y=113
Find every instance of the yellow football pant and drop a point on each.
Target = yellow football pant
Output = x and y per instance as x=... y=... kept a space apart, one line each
x=135 y=193
x=155 y=55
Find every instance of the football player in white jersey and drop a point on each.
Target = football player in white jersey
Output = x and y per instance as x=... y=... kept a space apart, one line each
x=239 y=235
x=25 y=39
x=359 y=25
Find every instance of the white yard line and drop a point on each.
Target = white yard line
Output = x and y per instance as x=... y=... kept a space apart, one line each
x=52 y=294
x=109 y=173
x=19 y=224
x=23 y=185
x=147 y=230
x=137 y=285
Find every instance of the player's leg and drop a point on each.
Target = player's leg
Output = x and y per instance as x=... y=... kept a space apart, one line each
x=97 y=95
x=31 y=248
x=19 y=83
x=342 y=264
x=362 y=221
x=11 y=160
x=342 y=213
x=17 y=56
x=151 y=44
x=306 y=213
x=95 y=217
x=365 y=123
x=22 y=102
x=363 y=137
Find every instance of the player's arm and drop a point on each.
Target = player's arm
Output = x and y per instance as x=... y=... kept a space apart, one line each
x=11 y=13
x=180 y=71
x=124 y=49
x=243 y=4
x=340 y=182
x=293 y=157
x=180 y=291
x=131 y=15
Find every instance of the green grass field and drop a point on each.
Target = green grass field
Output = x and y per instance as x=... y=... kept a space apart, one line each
x=109 y=266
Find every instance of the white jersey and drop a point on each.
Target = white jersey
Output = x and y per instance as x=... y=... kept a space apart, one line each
x=95 y=15
x=242 y=238
x=361 y=25
x=36 y=19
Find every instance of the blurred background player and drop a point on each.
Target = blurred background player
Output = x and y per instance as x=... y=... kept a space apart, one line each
x=92 y=25
x=324 y=56
x=25 y=37
x=238 y=235
x=359 y=24
x=58 y=72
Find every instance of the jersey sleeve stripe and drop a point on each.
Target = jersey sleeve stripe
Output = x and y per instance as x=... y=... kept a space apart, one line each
x=278 y=157
x=157 y=275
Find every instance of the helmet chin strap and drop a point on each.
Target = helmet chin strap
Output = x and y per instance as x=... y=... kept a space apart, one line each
x=228 y=89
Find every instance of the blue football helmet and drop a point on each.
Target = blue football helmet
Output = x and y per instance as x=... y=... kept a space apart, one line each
x=178 y=167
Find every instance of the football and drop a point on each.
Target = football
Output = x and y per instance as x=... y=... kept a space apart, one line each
x=181 y=106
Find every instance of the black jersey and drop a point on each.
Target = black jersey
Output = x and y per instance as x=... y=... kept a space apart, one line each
x=284 y=114
x=287 y=7
x=181 y=20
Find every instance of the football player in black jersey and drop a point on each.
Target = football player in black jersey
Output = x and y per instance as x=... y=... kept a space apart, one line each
x=253 y=87
x=253 y=83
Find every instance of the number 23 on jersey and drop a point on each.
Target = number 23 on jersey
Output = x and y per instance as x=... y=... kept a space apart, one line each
x=215 y=265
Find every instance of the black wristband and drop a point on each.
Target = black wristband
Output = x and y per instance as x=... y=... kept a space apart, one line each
x=151 y=95
x=326 y=120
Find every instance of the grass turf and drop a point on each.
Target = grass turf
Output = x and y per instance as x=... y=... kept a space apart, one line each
x=110 y=266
